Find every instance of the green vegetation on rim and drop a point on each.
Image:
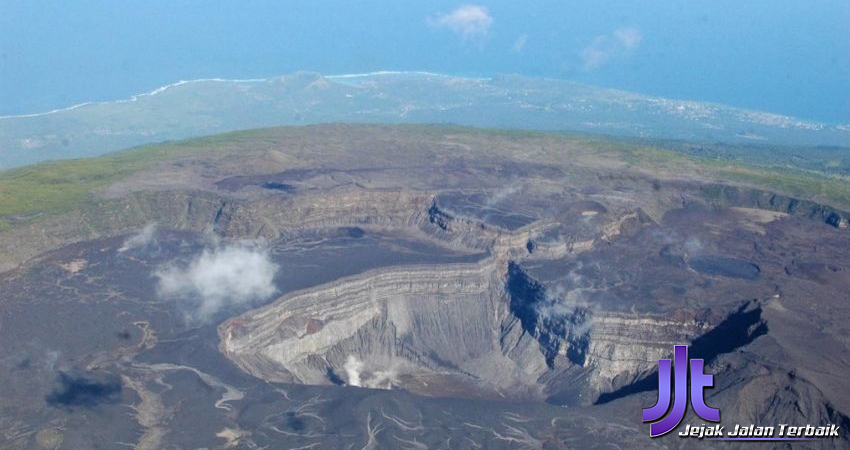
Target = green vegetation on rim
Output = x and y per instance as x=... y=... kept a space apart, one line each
x=59 y=185
x=808 y=184
x=46 y=188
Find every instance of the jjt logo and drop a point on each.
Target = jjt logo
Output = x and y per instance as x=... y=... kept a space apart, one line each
x=699 y=381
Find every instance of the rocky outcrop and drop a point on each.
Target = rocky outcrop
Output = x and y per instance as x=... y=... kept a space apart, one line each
x=266 y=218
x=611 y=349
x=403 y=326
x=489 y=326
x=724 y=195
x=479 y=325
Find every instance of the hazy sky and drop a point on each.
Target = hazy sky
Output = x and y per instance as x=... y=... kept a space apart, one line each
x=786 y=56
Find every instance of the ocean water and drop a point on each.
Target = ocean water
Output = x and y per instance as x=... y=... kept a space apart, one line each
x=783 y=56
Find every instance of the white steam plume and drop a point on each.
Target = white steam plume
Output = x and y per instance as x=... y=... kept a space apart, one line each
x=141 y=240
x=352 y=367
x=377 y=379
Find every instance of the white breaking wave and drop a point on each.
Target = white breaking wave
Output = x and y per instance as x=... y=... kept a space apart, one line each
x=399 y=72
x=753 y=115
x=162 y=89
x=136 y=97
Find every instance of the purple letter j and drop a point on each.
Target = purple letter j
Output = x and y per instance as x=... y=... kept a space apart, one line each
x=699 y=381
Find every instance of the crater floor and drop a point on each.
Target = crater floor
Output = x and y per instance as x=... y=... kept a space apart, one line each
x=431 y=288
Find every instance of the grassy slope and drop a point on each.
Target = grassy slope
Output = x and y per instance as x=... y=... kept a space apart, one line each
x=833 y=189
x=58 y=186
x=62 y=185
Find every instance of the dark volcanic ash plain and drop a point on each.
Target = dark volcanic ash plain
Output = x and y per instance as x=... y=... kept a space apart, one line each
x=416 y=287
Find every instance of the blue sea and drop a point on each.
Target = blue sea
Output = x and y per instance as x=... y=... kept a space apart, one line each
x=789 y=57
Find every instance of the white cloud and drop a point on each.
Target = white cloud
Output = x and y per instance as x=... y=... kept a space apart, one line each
x=629 y=37
x=467 y=21
x=519 y=43
x=606 y=48
x=218 y=278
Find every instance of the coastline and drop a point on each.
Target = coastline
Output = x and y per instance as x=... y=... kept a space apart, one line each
x=161 y=89
x=758 y=116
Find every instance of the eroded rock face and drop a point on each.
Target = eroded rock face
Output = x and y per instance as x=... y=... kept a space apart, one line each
x=426 y=316
x=519 y=323
x=561 y=281
x=574 y=307
x=473 y=324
